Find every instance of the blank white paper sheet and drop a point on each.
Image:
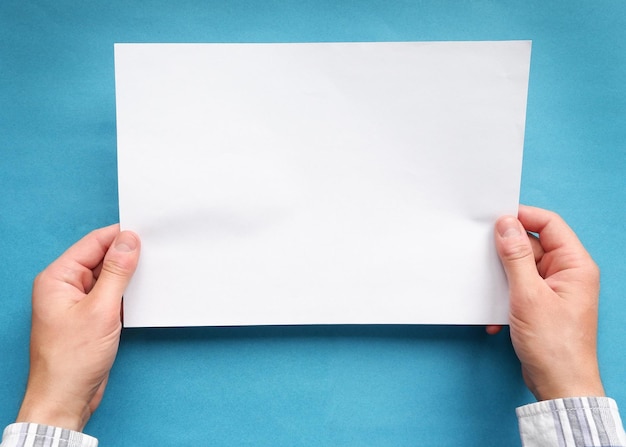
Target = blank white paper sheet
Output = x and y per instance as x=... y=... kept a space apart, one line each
x=319 y=183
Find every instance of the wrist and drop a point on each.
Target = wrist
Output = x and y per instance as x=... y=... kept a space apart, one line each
x=589 y=387
x=47 y=411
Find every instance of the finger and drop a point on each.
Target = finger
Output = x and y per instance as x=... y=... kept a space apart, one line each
x=74 y=267
x=95 y=273
x=553 y=232
x=118 y=267
x=90 y=250
x=563 y=251
x=493 y=329
x=538 y=250
x=516 y=253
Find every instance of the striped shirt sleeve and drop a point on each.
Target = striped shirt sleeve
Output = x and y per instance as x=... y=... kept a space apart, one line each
x=571 y=422
x=24 y=434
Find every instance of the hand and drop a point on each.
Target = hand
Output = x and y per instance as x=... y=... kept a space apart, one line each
x=76 y=328
x=554 y=288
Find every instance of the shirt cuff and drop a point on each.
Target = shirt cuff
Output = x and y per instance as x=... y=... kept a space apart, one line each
x=573 y=421
x=24 y=434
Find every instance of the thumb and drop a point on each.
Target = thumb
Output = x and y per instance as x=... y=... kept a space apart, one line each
x=516 y=253
x=118 y=267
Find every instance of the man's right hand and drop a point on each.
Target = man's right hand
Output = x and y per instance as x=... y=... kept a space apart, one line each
x=554 y=287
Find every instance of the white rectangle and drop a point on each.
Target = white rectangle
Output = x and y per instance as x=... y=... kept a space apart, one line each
x=319 y=183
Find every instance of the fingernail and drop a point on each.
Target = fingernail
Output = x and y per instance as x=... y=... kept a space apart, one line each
x=126 y=242
x=508 y=227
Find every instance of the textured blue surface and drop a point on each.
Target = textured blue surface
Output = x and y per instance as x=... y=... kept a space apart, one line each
x=301 y=386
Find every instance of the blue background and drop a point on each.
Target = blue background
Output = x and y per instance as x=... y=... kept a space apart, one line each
x=301 y=386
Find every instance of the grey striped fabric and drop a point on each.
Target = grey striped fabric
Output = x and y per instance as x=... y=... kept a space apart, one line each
x=36 y=435
x=572 y=422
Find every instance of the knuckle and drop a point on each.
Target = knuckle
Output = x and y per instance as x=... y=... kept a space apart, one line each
x=42 y=278
x=593 y=272
x=515 y=252
x=114 y=268
x=587 y=267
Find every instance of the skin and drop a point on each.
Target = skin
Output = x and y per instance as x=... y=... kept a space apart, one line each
x=76 y=328
x=554 y=289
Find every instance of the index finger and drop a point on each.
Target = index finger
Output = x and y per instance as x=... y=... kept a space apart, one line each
x=553 y=232
x=90 y=250
x=563 y=251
